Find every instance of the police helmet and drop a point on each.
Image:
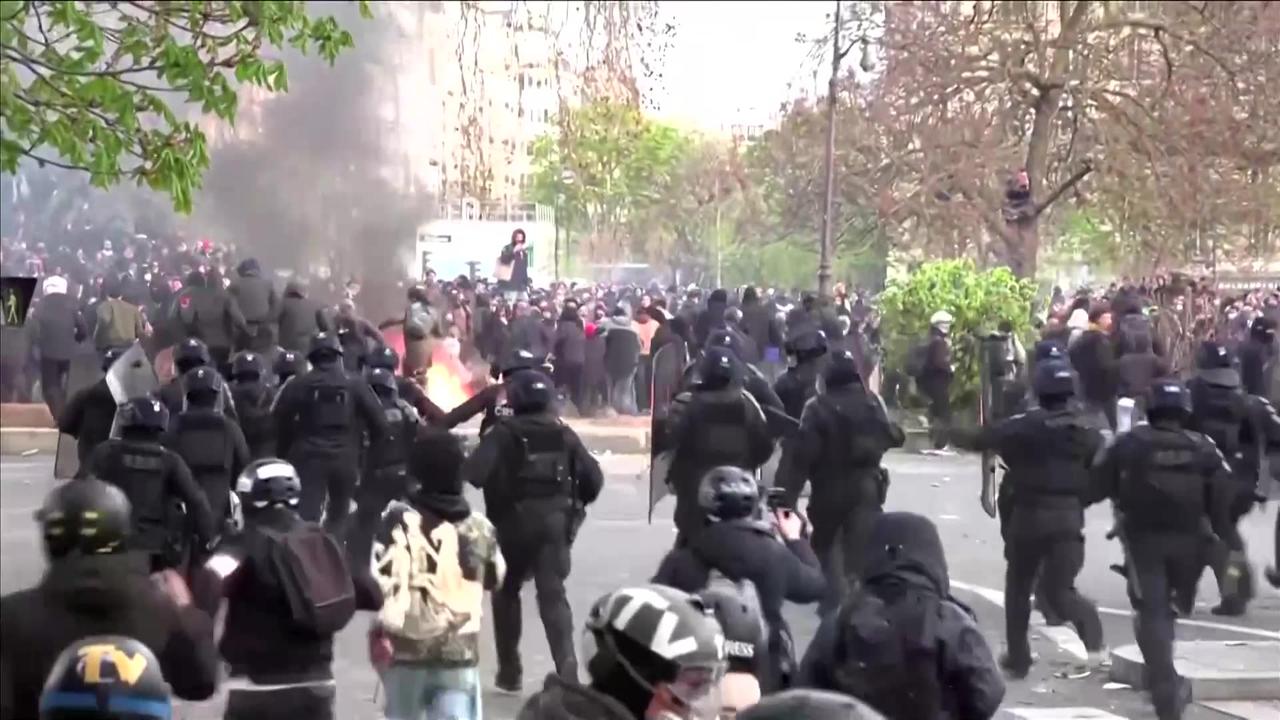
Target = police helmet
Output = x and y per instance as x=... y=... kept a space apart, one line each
x=1049 y=350
x=1217 y=364
x=382 y=380
x=628 y=636
x=324 y=346
x=106 y=677
x=1053 y=378
x=191 y=353
x=732 y=315
x=201 y=382
x=530 y=391
x=718 y=368
x=842 y=369
x=268 y=482
x=383 y=356
x=247 y=366
x=287 y=364
x=144 y=413
x=728 y=493
x=1168 y=395
x=726 y=339
x=807 y=343
x=520 y=360
x=87 y=516
x=110 y=355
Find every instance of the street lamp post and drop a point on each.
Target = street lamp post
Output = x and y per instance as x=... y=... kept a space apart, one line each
x=828 y=201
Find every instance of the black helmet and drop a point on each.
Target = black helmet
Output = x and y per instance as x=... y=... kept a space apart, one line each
x=521 y=360
x=324 y=346
x=110 y=355
x=248 y=366
x=630 y=634
x=842 y=369
x=382 y=380
x=201 y=382
x=725 y=338
x=383 y=356
x=530 y=391
x=287 y=364
x=807 y=343
x=87 y=516
x=1053 y=377
x=268 y=482
x=728 y=493
x=106 y=677
x=718 y=368
x=1217 y=364
x=144 y=413
x=732 y=315
x=191 y=353
x=1049 y=350
x=810 y=705
x=1168 y=395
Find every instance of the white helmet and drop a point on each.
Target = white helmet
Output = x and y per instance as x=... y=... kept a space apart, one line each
x=942 y=317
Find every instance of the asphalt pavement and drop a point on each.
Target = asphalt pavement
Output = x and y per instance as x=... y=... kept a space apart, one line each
x=617 y=547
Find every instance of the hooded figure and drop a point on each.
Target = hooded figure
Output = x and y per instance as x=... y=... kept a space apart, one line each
x=300 y=318
x=259 y=304
x=712 y=317
x=902 y=644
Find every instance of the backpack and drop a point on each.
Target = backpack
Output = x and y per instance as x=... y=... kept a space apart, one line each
x=744 y=589
x=314 y=577
x=1133 y=335
x=425 y=594
x=917 y=356
x=889 y=659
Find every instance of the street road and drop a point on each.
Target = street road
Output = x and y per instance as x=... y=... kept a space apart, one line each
x=617 y=546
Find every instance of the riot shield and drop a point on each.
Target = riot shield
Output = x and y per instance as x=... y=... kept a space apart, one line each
x=990 y=481
x=86 y=369
x=131 y=376
x=668 y=370
x=1126 y=410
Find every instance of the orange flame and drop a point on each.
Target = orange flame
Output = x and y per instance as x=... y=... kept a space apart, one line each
x=447 y=380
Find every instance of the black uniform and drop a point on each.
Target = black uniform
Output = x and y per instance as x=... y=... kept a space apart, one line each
x=253 y=400
x=708 y=428
x=155 y=479
x=902 y=644
x=537 y=479
x=748 y=550
x=797 y=386
x=385 y=475
x=212 y=314
x=1048 y=453
x=843 y=435
x=319 y=417
x=214 y=447
x=300 y=318
x=1172 y=488
x=88 y=418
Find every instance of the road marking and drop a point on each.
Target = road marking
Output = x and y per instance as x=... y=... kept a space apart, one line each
x=996 y=597
x=1063 y=713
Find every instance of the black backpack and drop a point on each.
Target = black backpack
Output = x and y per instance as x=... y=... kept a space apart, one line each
x=1133 y=335
x=314 y=577
x=887 y=655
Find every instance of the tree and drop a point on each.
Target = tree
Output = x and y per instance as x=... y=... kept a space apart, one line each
x=620 y=163
x=84 y=84
x=1147 y=104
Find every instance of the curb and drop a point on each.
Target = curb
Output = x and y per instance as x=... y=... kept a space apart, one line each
x=1216 y=670
x=16 y=441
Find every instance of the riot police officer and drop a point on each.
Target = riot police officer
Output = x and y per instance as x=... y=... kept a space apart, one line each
x=805 y=349
x=188 y=355
x=385 y=476
x=253 y=398
x=385 y=357
x=843 y=435
x=155 y=479
x=1230 y=418
x=287 y=364
x=90 y=413
x=319 y=418
x=537 y=479
x=212 y=445
x=1048 y=451
x=717 y=423
x=1169 y=485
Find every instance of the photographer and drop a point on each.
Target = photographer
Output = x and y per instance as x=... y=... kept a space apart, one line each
x=768 y=560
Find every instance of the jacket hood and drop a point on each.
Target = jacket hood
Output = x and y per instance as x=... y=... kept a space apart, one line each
x=248 y=268
x=561 y=701
x=194 y=279
x=446 y=506
x=293 y=288
x=905 y=547
x=95 y=582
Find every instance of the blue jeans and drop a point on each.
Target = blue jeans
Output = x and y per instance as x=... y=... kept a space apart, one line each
x=420 y=692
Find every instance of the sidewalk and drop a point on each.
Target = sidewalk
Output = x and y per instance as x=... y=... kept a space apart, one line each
x=1217 y=670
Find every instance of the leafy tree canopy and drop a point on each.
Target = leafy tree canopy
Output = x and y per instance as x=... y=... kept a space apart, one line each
x=91 y=86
